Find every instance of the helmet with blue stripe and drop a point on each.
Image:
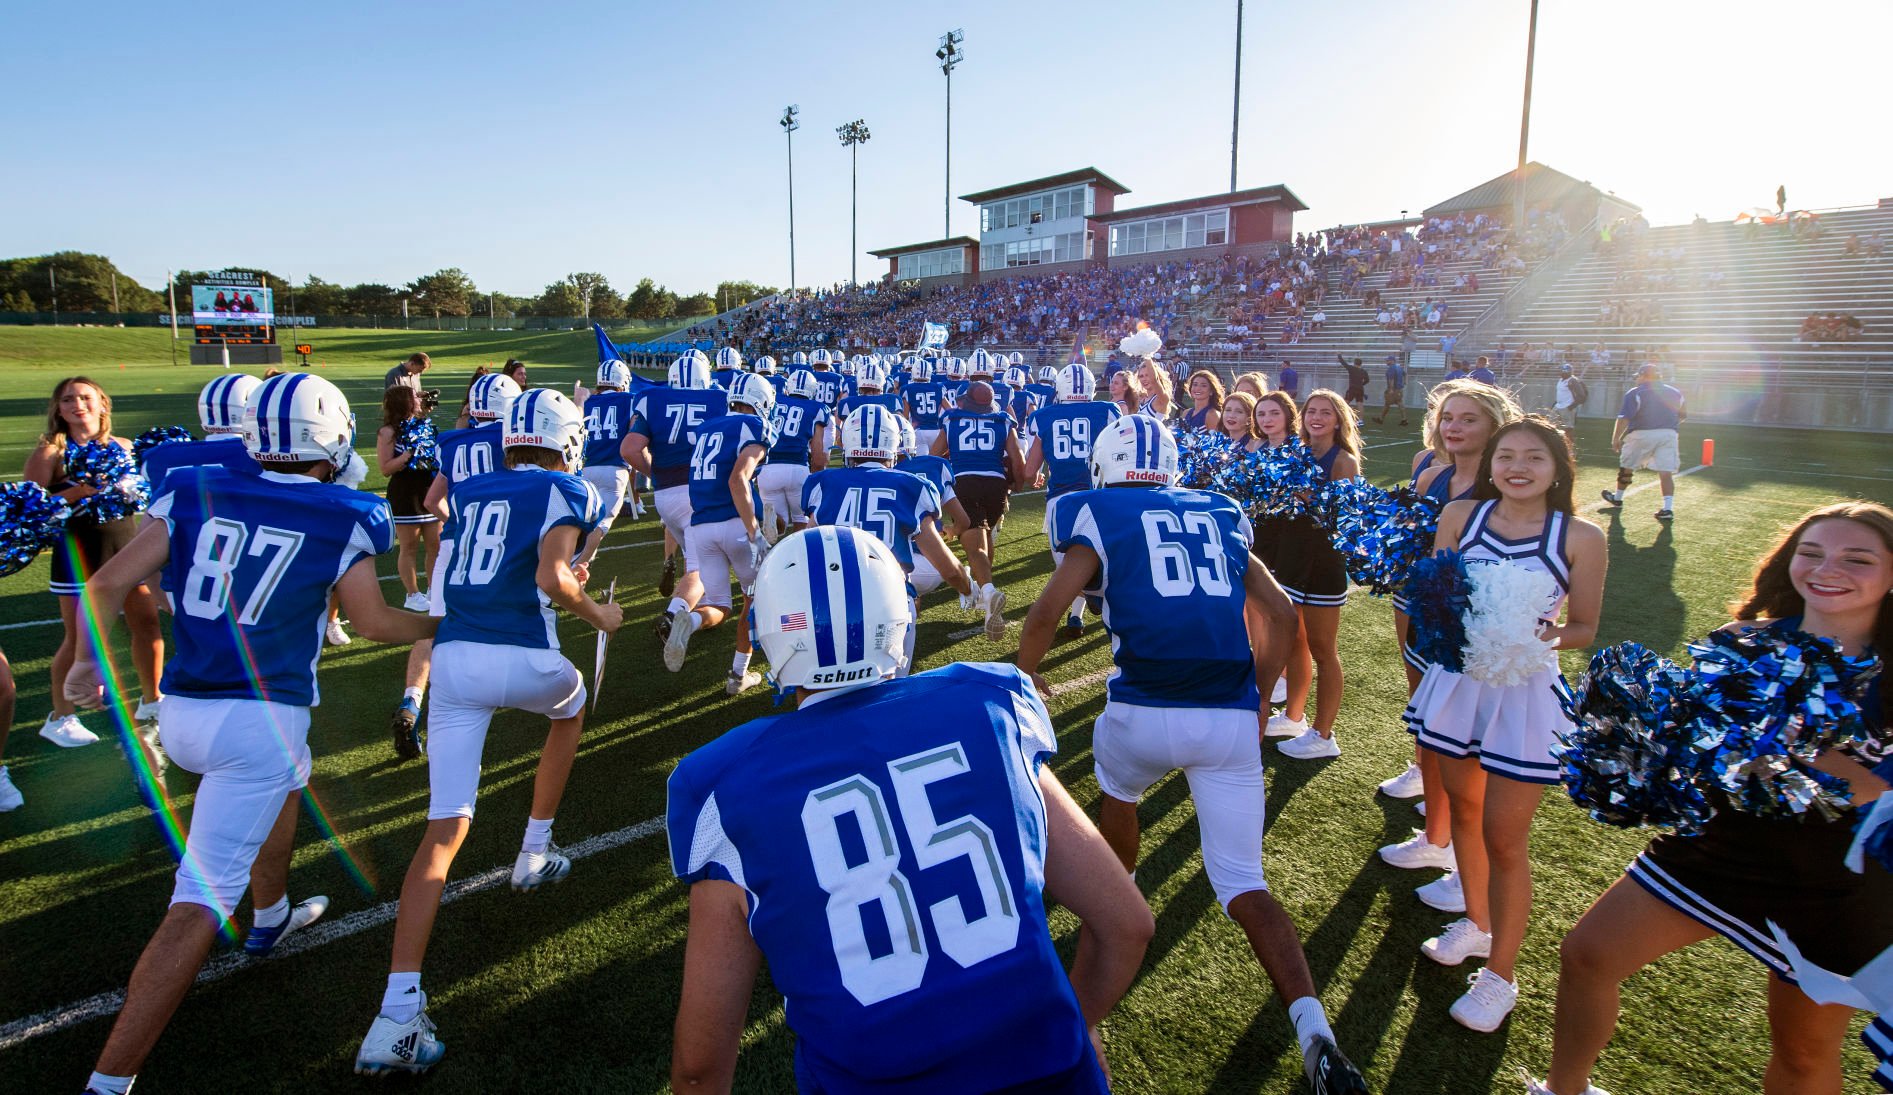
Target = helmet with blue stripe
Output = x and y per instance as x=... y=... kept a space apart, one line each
x=871 y=433
x=220 y=404
x=909 y=440
x=765 y=365
x=798 y=358
x=614 y=374
x=871 y=375
x=800 y=384
x=1076 y=384
x=489 y=396
x=819 y=359
x=545 y=419
x=1018 y=376
x=920 y=370
x=729 y=357
x=1048 y=374
x=830 y=609
x=980 y=363
x=294 y=417
x=1016 y=357
x=691 y=370
x=956 y=368
x=1136 y=450
x=754 y=392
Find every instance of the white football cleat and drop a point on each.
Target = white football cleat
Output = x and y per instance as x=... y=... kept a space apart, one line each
x=677 y=644
x=1310 y=745
x=996 y=615
x=1417 y=853
x=147 y=710
x=1461 y=940
x=400 y=1047
x=67 y=732
x=1539 y=1087
x=336 y=636
x=534 y=869
x=1407 y=784
x=739 y=683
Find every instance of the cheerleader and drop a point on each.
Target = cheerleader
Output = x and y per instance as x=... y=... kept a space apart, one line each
x=1237 y=421
x=410 y=472
x=1494 y=742
x=1275 y=420
x=1316 y=581
x=1256 y=384
x=1125 y=392
x=1462 y=416
x=1206 y=401
x=1154 y=380
x=1831 y=576
x=78 y=412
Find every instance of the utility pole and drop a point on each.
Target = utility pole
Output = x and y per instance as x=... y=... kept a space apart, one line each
x=949 y=55
x=52 y=278
x=115 y=291
x=171 y=288
x=1235 y=112
x=790 y=123
x=853 y=136
x=1524 y=126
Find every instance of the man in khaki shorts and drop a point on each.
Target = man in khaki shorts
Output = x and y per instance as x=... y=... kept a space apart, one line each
x=1645 y=437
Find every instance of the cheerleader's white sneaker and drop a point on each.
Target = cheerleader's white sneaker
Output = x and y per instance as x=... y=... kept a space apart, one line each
x=1279 y=694
x=1461 y=940
x=67 y=732
x=1539 y=1087
x=1444 y=894
x=10 y=797
x=1310 y=745
x=1486 y=1003
x=1281 y=726
x=335 y=635
x=1407 y=784
x=1417 y=853
x=416 y=602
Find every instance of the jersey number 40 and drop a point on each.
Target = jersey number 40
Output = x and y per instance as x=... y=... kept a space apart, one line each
x=878 y=880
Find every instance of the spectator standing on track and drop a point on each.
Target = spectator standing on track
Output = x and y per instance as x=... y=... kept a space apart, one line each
x=1572 y=394
x=1356 y=384
x=1645 y=437
x=1288 y=381
x=1482 y=371
x=1396 y=393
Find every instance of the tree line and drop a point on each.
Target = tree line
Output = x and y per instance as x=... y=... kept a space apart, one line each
x=91 y=283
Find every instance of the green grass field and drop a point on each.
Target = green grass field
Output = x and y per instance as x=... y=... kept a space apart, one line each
x=574 y=989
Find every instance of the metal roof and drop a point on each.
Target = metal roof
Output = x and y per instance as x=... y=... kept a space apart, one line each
x=1050 y=182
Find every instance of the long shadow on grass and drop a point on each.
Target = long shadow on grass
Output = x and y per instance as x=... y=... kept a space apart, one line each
x=1644 y=604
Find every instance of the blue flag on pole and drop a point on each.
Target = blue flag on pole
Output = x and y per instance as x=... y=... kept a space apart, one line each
x=933 y=336
x=607 y=349
x=1077 y=350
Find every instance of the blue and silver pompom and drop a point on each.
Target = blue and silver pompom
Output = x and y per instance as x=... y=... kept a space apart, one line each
x=155 y=436
x=1629 y=757
x=1201 y=457
x=1439 y=593
x=1382 y=534
x=417 y=436
x=108 y=469
x=30 y=520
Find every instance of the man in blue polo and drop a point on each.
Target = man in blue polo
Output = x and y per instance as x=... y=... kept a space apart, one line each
x=1645 y=437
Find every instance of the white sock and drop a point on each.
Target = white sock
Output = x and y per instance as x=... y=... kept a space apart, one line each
x=401 y=1001
x=110 y=1085
x=677 y=605
x=1078 y=609
x=272 y=917
x=1669 y=501
x=414 y=694
x=1310 y=1022
x=739 y=662
x=538 y=835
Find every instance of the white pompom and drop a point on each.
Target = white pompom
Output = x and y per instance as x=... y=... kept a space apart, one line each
x=1506 y=601
x=1143 y=342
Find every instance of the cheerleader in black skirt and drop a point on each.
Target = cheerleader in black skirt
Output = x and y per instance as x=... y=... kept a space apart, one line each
x=410 y=473
x=1831 y=576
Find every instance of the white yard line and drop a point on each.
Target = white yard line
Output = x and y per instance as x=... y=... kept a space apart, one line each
x=57 y=1019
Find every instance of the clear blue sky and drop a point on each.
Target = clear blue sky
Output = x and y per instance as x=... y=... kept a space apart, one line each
x=377 y=142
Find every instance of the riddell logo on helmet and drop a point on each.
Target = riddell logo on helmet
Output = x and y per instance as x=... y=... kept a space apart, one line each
x=1138 y=475
x=837 y=676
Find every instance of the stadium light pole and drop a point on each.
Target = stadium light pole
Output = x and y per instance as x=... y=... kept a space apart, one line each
x=853 y=136
x=1235 y=112
x=949 y=55
x=1524 y=124
x=790 y=123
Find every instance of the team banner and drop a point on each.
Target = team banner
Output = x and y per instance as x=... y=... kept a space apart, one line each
x=933 y=336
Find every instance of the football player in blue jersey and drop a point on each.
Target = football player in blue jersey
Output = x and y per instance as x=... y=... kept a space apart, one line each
x=925 y=400
x=1174 y=570
x=662 y=437
x=765 y=366
x=981 y=367
x=608 y=413
x=1045 y=389
x=220 y=413
x=978 y=441
x=725 y=524
x=1061 y=435
x=901 y=508
x=827 y=381
x=1019 y=403
x=729 y=365
x=498 y=647
x=248 y=560
x=871 y=391
x=924 y=962
x=952 y=384
x=925 y=577
x=801 y=428
x=464 y=454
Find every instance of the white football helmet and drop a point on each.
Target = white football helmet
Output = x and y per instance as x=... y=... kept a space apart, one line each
x=765 y=365
x=692 y=370
x=872 y=377
x=293 y=417
x=729 y=357
x=799 y=357
x=614 y=374
x=848 y=367
x=830 y=609
x=1048 y=374
x=955 y=368
x=1076 y=384
x=220 y=405
x=871 y=433
x=1018 y=376
x=545 y=419
x=754 y=392
x=1135 y=449
x=819 y=359
x=1016 y=357
x=800 y=384
x=909 y=441
x=920 y=370
x=980 y=363
x=489 y=397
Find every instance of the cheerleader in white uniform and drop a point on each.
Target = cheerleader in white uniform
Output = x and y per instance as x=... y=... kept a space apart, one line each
x=1494 y=742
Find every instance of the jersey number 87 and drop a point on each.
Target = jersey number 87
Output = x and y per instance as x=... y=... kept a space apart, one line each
x=220 y=543
x=878 y=880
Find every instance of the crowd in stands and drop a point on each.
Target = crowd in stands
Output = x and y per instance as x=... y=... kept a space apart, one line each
x=1870 y=246
x=1830 y=327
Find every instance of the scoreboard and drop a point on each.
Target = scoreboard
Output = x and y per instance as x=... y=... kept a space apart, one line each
x=233 y=308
